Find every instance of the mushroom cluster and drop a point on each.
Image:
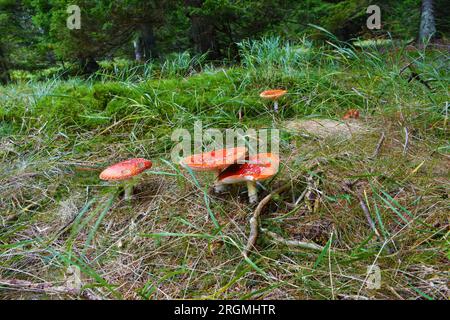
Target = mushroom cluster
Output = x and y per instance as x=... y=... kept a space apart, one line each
x=351 y=114
x=232 y=165
x=215 y=161
x=257 y=168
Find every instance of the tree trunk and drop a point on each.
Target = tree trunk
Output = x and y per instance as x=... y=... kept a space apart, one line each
x=427 y=22
x=89 y=65
x=145 y=44
x=203 y=33
x=4 y=69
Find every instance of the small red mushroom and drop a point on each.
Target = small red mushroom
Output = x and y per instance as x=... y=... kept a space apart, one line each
x=214 y=161
x=126 y=171
x=351 y=114
x=273 y=95
x=259 y=167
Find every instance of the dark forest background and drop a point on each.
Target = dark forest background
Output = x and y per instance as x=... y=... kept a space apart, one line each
x=34 y=34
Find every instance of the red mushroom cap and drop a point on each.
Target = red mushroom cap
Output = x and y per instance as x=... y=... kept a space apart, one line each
x=259 y=167
x=351 y=114
x=126 y=169
x=273 y=94
x=214 y=160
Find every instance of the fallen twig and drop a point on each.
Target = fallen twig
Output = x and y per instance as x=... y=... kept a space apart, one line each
x=404 y=68
x=254 y=225
x=415 y=75
x=292 y=243
x=300 y=198
x=364 y=208
x=378 y=148
x=10 y=218
x=47 y=288
x=352 y=297
x=405 y=147
x=362 y=203
x=254 y=220
x=79 y=168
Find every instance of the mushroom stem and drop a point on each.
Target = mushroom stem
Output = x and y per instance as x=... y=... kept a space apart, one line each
x=275 y=106
x=252 y=192
x=128 y=188
x=219 y=187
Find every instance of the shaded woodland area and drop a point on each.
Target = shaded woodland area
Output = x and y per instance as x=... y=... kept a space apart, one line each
x=35 y=36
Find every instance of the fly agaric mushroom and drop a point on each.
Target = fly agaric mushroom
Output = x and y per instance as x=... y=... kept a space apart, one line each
x=351 y=114
x=215 y=161
x=259 y=167
x=273 y=95
x=126 y=171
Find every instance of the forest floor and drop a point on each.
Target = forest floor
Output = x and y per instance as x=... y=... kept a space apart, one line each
x=373 y=192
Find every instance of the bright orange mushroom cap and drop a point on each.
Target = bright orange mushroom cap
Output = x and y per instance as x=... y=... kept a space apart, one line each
x=126 y=169
x=351 y=114
x=259 y=167
x=214 y=160
x=273 y=94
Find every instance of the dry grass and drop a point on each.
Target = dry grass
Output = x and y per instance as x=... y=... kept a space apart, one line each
x=165 y=245
x=324 y=128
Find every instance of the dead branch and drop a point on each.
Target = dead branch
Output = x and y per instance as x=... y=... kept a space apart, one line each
x=404 y=68
x=364 y=208
x=352 y=297
x=378 y=148
x=254 y=223
x=47 y=288
x=405 y=147
x=300 y=198
x=292 y=243
x=415 y=75
x=254 y=220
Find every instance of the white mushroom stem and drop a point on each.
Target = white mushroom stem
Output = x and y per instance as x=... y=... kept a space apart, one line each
x=128 y=188
x=275 y=106
x=252 y=192
x=128 y=191
x=219 y=187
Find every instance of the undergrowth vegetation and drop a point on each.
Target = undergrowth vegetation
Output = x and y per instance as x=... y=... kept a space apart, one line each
x=56 y=216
